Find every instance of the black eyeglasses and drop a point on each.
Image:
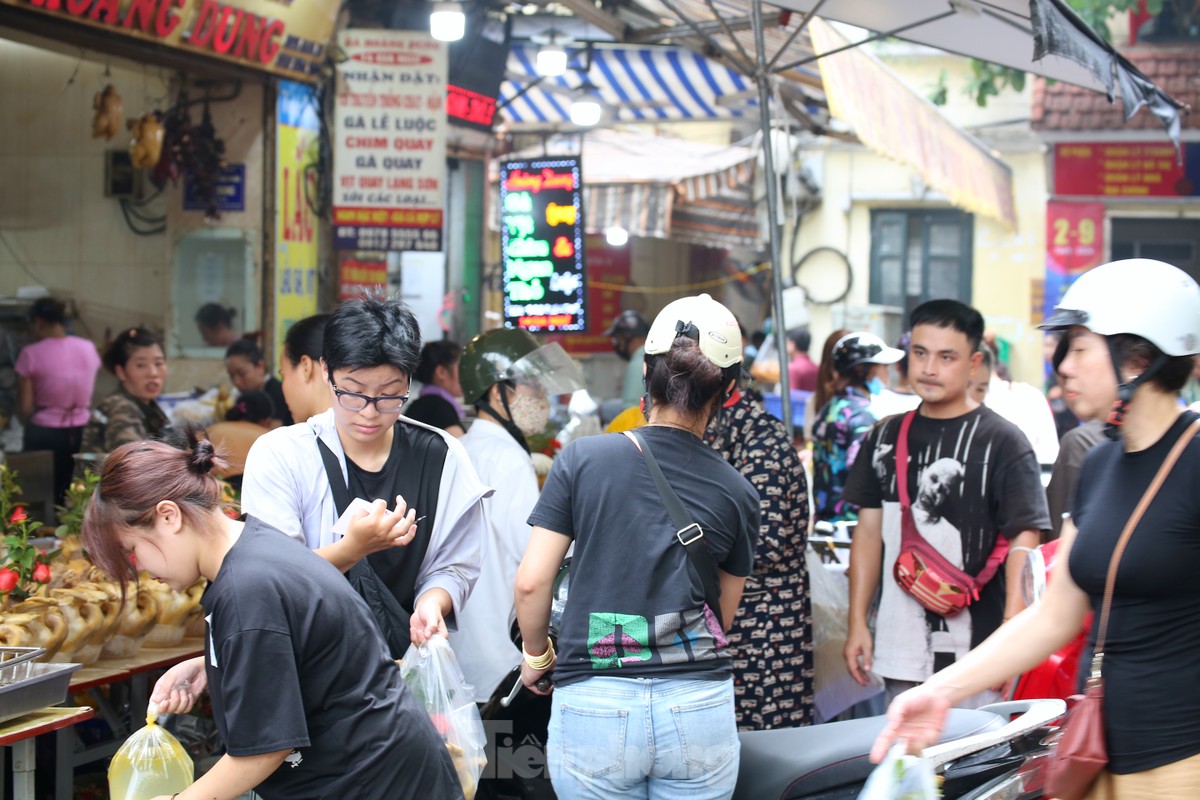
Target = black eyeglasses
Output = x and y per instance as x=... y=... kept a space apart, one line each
x=385 y=404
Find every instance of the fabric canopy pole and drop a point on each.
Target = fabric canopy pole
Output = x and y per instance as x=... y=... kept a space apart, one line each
x=763 y=78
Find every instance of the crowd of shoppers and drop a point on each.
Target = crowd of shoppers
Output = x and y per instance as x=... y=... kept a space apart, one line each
x=441 y=506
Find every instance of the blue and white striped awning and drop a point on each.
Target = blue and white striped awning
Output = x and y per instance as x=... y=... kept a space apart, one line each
x=633 y=84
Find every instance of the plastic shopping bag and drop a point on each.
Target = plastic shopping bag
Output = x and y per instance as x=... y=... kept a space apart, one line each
x=432 y=673
x=152 y=762
x=835 y=688
x=901 y=777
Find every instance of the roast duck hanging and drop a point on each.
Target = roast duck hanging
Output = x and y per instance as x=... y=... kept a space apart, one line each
x=146 y=146
x=110 y=113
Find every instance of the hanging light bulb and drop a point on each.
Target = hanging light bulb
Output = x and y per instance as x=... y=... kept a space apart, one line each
x=551 y=60
x=586 y=110
x=447 y=23
x=585 y=113
x=616 y=236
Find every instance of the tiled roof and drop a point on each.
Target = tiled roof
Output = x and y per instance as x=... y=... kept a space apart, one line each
x=1062 y=107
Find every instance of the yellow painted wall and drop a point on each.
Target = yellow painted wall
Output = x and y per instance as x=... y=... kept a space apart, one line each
x=1007 y=265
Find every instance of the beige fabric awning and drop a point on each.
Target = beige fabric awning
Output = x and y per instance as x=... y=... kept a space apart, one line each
x=894 y=121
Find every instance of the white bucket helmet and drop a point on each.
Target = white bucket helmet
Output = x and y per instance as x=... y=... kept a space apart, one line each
x=711 y=324
x=1141 y=296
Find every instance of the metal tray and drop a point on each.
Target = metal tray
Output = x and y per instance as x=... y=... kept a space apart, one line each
x=40 y=686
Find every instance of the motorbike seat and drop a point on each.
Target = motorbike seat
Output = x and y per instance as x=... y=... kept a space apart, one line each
x=794 y=763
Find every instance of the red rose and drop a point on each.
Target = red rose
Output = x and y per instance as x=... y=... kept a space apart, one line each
x=8 y=580
x=18 y=515
x=41 y=573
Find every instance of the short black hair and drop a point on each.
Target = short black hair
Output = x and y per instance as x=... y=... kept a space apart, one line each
x=247 y=348
x=253 y=406
x=1171 y=377
x=306 y=338
x=952 y=314
x=215 y=315
x=801 y=338
x=48 y=310
x=121 y=349
x=1060 y=352
x=372 y=332
x=441 y=353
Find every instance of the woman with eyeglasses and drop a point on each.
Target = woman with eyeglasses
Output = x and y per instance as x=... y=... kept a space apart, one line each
x=420 y=533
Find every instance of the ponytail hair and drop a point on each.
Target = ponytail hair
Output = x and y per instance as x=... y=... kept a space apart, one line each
x=136 y=477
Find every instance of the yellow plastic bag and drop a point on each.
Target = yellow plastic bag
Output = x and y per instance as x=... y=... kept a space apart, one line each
x=150 y=763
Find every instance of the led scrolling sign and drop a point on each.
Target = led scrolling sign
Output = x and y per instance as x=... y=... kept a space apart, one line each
x=541 y=239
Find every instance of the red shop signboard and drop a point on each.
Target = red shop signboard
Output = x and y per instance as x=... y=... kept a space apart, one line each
x=1126 y=169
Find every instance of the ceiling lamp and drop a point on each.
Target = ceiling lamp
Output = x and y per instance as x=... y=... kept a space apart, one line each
x=447 y=22
x=585 y=113
x=551 y=60
x=616 y=236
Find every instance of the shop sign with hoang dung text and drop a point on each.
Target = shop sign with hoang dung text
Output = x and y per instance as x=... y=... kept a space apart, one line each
x=542 y=245
x=285 y=38
x=389 y=156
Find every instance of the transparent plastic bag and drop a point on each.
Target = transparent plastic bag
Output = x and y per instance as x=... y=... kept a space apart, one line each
x=835 y=689
x=901 y=777
x=434 y=676
x=150 y=763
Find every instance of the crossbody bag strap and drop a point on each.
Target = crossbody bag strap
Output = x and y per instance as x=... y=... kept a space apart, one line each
x=688 y=533
x=909 y=526
x=333 y=473
x=1110 y=582
x=902 y=462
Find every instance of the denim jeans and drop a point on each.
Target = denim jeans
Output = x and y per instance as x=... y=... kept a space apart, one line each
x=651 y=738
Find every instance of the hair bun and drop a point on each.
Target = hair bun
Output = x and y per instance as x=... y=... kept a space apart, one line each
x=203 y=457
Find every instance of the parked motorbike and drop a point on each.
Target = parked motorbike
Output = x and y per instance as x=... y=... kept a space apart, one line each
x=982 y=755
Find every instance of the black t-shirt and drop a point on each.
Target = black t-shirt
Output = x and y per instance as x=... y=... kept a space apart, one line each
x=294 y=661
x=433 y=410
x=274 y=389
x=413 y=470
x=1152 y=651
x=970 y=478
x=635 y=609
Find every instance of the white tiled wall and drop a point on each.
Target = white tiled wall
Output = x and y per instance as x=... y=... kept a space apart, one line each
x=57 y=228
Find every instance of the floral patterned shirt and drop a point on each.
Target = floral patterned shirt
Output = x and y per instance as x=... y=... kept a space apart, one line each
x=837 y=434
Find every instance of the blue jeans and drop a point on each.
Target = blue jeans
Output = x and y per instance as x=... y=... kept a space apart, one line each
x=646 y=738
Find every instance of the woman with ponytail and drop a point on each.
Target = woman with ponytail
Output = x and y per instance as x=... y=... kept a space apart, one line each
x=303 y=692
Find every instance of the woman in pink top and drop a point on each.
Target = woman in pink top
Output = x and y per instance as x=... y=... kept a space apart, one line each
x=57 y=373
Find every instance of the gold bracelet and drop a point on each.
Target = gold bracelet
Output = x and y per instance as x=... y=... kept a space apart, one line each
x=541 y=662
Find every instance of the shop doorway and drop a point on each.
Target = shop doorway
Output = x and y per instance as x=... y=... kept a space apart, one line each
x=1175 y=241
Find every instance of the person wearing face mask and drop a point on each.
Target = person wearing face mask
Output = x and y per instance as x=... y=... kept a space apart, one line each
x=508 y=377
x=628 y=336
x=861 y=361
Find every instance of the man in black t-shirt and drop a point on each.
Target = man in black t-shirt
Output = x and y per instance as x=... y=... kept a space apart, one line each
x=972 y=476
